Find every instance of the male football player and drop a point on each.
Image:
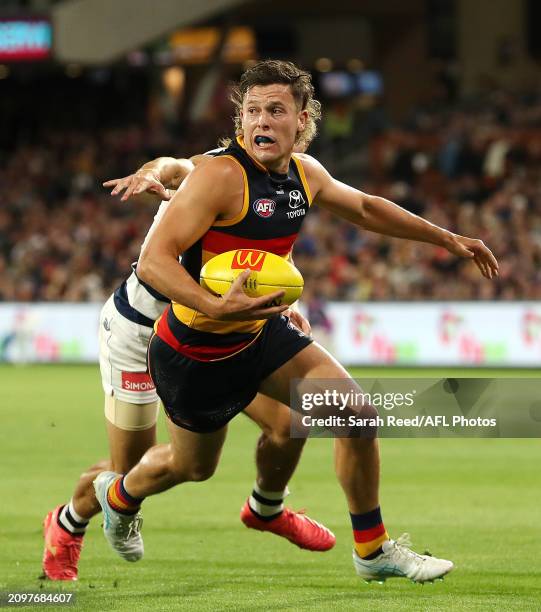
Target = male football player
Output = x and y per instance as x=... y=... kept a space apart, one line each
x=131 y=407
x=242 y=344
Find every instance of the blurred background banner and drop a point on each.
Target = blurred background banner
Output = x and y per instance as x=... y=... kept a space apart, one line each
x=418 y=107
x=438 y=334
x=49 y=333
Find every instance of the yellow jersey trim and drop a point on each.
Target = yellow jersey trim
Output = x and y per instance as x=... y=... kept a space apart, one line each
x=245 y=202
x=200 y=322
x=304 y=182
x=240 y=141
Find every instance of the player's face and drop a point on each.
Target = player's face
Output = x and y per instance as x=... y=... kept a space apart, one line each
x=270 y=122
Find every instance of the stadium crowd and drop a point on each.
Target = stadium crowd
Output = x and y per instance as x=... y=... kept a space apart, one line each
x=475 y=169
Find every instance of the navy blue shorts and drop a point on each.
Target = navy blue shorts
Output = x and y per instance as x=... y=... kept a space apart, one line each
x=203 y=396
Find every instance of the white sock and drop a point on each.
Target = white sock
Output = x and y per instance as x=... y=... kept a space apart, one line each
x=267 y=504
x=71 y=521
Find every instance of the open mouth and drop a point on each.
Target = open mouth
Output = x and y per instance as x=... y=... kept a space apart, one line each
x=264 y=141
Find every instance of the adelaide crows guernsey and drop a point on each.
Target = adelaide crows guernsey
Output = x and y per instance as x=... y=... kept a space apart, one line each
x=274 y=207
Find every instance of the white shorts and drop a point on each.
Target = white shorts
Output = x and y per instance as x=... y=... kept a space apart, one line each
x=123 y=352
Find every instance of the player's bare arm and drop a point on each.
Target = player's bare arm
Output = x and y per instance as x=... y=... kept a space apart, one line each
x=153 y=178
x=382 y=216
x=213 y=191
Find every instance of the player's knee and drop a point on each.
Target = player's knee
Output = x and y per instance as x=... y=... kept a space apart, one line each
x=280 y=432
x=201 y=473
x=278 y=429
x=281 y=438
x=357 y=444
x=94 y=470
x=101 y=466
x=363 y=420
x=195 y=472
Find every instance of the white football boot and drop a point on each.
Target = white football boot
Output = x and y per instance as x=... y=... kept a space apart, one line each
x=122 y=531
x=399 y=561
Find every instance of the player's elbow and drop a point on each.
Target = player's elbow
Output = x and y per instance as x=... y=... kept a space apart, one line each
x=365 y=210
x=146 y=267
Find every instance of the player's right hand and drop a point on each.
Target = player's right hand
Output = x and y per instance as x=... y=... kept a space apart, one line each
x=140 y=182
x=235 y=305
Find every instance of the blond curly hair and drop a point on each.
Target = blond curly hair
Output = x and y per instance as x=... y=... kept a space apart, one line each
x=269 y=72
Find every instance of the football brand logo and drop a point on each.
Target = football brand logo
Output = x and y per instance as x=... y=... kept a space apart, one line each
x=137 y=381
x=248 y=259
x=295 y=199
x=264 y=207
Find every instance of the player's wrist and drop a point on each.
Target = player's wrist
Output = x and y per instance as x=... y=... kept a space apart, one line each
x=155 y=169
x=447 y=239
x=211 y=305
x=149 y=172
x=167 y=170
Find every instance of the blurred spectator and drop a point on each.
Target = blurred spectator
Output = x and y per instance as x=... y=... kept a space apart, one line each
x=475 y=169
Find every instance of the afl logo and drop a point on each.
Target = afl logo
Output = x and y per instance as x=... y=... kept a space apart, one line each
x=295 y=199
x=264 y=207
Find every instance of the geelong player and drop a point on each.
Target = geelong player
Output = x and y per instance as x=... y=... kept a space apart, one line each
x=238 y=342
x=131 y=407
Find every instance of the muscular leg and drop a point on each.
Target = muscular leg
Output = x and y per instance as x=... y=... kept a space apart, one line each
x=188 y=457
x=375 y=556
x=357 y=467
x=84 y=501
x=126 y=447
x=356 y=459
x=194 y=457
x=277 y=454
x=131 y=430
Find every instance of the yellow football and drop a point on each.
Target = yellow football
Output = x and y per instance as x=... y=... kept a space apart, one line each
x=270 y=273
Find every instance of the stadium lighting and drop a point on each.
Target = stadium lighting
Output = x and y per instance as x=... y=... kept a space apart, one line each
x=174 y=79
x=323 y=64
x=355 y=65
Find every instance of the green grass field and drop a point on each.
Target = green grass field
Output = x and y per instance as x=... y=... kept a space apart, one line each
x=474 y=501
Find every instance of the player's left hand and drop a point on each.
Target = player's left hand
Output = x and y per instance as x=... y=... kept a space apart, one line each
x=135 y=184
x=471 y=248
x=299 y=321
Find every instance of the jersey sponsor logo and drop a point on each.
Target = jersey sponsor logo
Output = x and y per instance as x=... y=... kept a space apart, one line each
x=247 y=258
x=264 y=207
x=137 y=381
x=295 y=199
x=300 y=212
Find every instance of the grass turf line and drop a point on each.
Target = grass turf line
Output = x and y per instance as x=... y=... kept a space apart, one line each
x=474 y=501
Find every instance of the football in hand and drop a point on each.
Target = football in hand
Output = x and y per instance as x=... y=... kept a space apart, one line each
x=269 y=273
